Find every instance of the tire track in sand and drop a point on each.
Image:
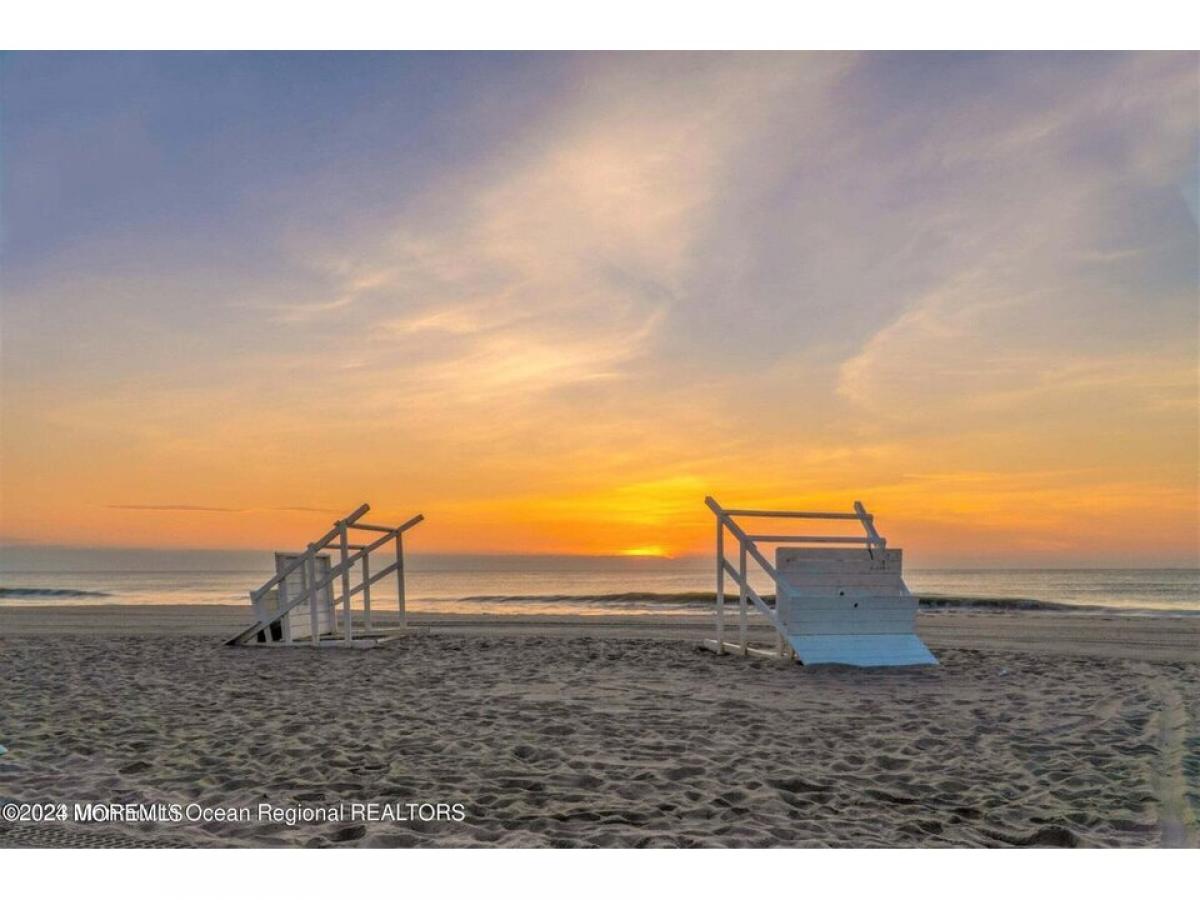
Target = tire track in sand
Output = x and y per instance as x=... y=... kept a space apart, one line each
x=1175 y=816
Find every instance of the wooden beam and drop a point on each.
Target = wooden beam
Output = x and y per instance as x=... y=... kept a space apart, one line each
x=308 y=577
x=345 y=565
x=789 y=514
x=285 y=624
x=868 y=523
x=377 y=576
x=367 y=642
x=744 y=584
x=366 y=590
x=729 y=647
x=399 y=566
x=812 y=539
x=399 y=529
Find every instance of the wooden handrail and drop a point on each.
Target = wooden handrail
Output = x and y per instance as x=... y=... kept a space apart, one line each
x=400 y=529
x=788 y=514
x=812 y=539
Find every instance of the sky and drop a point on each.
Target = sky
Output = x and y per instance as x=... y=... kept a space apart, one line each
x=551 y=301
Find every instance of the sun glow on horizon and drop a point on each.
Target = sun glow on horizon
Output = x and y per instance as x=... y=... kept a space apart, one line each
x=654 y=551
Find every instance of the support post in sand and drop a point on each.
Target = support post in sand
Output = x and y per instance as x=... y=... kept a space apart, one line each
x=720 y=586
x=344 y=541
x=366 y=586
x=400 y=579
x=742 y=583
x=310 y=578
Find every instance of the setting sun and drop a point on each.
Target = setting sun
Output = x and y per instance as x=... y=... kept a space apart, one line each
x=646 y=551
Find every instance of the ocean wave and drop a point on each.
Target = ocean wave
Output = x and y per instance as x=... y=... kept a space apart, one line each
x=630 y=598
x=49 y=592
x=702 y=600
x=947 y=601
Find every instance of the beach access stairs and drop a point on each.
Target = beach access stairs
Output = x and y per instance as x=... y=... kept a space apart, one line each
x=838 y=598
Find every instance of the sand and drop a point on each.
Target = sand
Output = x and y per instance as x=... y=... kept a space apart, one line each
x=1037 y=730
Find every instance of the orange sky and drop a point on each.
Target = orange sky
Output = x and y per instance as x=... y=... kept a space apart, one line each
x=962 y=292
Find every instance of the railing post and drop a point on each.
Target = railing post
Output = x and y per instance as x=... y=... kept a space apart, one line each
x=366 y=577
x=285 y=624
x=868 y=525
x=744 y=584
x=308 y=577
x=400 y=579
x=342 y=531
x=720 y=586
x=262 y=615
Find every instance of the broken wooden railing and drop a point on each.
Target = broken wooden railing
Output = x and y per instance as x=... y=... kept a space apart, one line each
x=350 y=556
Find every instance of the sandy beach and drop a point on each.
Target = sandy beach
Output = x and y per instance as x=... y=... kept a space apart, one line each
x=1036 y=730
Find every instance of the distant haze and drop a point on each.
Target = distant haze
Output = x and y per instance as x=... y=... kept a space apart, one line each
x=108 y=559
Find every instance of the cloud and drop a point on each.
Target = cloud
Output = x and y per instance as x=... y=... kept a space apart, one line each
x=291 y=313
x=183 y=507
x=557 y=269
x=172 y=507
x=1067 y=264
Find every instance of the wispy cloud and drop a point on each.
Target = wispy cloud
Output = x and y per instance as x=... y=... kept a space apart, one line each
x=171 y=507
x=183 y=507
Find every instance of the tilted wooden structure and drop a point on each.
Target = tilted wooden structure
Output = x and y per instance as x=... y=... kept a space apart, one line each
x=832 y=604
x=297 y=605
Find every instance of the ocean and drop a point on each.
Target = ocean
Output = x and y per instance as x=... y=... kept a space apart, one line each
x=553 y=585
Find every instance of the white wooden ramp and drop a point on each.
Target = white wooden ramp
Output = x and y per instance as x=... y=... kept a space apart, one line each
x=861 y=649
x=833 y=603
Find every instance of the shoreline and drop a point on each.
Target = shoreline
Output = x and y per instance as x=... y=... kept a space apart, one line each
x=624 y=604
x=1111 y=635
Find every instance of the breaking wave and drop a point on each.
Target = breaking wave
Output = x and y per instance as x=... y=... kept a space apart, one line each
x=34 y=592
x=702 y=600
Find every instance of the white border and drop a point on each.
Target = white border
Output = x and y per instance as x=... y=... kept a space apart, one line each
x=583 y=874
x=615 y=24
